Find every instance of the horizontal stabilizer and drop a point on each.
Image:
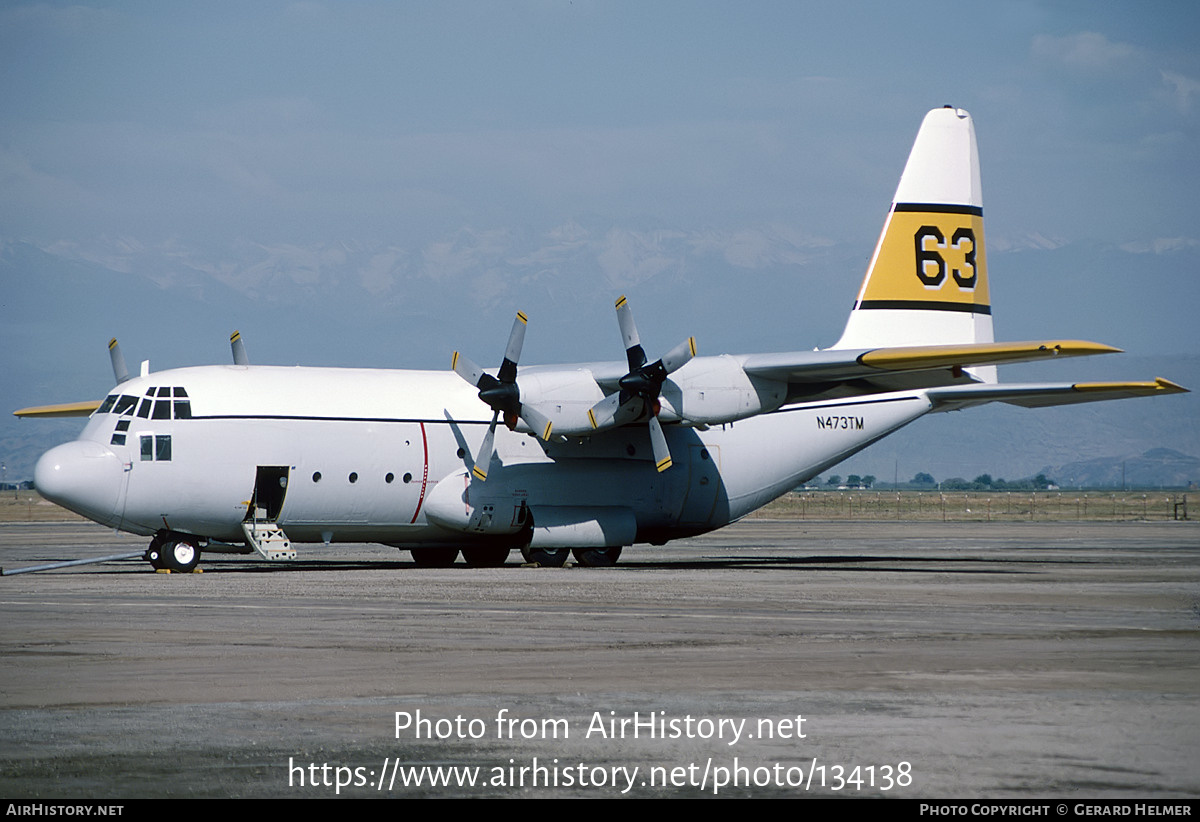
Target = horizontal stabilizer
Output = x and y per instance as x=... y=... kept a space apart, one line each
x=66 y=409
x=1040 y=395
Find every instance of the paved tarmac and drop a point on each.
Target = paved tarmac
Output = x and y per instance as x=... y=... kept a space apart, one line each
x=775 y=658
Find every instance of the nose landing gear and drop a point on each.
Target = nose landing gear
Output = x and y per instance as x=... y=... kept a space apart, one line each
x=174 y=552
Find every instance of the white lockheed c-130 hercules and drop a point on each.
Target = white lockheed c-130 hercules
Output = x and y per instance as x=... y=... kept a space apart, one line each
x=591 y=457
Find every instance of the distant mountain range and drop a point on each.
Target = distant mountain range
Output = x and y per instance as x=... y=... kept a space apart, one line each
x=769 y=288
x=1158 y=467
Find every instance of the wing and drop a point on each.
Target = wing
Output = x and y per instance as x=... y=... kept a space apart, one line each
x=66 y=409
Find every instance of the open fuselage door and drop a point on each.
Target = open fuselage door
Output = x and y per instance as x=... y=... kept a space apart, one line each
x=261 y=527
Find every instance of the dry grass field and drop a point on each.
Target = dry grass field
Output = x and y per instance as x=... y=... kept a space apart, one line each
x=28 y=506
x=865 y=506
x=980 y=506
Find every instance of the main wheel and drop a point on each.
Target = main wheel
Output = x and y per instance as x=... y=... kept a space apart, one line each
x=434 y=557
x=485 y=556
x=180 y=555
x=546 y=557
x=597 y=557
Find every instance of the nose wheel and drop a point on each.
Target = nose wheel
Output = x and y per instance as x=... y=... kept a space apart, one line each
x=174 y=553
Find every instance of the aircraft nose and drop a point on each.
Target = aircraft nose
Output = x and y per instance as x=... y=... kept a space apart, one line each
x=83 y=476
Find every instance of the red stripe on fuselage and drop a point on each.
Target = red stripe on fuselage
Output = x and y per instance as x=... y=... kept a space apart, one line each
x=424 y=474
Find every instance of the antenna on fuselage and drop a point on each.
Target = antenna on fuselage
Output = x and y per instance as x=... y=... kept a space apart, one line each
x=118 y=361
x=239 y=349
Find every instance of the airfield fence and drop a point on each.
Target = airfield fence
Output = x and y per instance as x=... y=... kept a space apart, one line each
x=979 y=506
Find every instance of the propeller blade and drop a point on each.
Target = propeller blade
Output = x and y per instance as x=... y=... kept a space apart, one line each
x=512 y=354
x=118 y=361
x=484 y=459
x=611 y=411
x=634 y=352
x=602 y=414
x=658 y=443
x=466 y=369
x=679 y=356
x=539 y=423
x=239 y=349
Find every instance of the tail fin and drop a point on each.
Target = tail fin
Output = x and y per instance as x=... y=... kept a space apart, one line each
x=927 y=282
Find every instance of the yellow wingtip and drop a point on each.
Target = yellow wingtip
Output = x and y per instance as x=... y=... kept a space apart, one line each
x=1156 y=386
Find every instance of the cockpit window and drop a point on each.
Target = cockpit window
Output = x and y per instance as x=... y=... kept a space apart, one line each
x=157 y=404
x=107 y=404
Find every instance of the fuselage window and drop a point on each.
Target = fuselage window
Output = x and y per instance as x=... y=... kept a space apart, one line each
x=388 y=479
x=107 y=405
x=407 y=477
x=316 y=476
x=162 y=447
x=353 y=476
x=147 y=448
x=125 y=405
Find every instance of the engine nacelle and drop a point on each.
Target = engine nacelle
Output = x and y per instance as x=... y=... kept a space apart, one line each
x=563 y=396
x=713 y=390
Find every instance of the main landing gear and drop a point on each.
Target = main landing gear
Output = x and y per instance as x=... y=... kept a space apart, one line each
x=597 y=557
x=174 y=552
x=477 y=556
x=545 y=557
x=587 y=557
x=491 y=556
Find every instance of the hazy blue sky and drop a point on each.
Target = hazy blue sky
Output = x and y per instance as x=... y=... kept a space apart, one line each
x=433 y=166
x=396 y=123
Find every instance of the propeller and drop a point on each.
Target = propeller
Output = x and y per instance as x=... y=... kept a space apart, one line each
x=502 y=395
x=118 y=361
x=239 y=349
x=641 y=387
